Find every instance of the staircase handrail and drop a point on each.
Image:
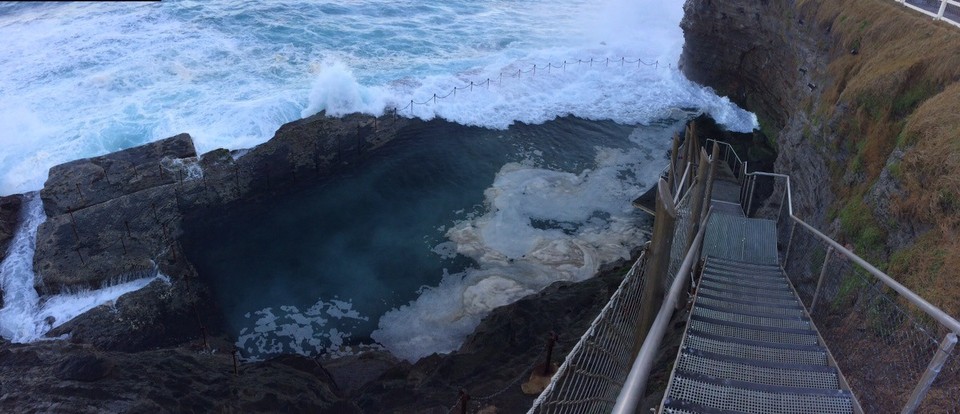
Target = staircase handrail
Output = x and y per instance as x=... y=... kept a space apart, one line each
x=636 y=384
x=930 y=309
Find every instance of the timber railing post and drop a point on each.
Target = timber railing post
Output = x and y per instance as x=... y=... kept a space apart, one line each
x=672 y=176
x=697 y=193
x=708 y=188
x=696 y=203
x=655 y=275
x=933 y=369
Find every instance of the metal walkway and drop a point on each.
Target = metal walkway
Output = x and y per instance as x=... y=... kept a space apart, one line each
x=750 y=346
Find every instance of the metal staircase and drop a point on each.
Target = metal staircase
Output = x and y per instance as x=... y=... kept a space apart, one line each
x=750 y=346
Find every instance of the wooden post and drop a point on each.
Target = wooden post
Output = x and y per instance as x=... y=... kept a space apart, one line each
x=708 y=190
x=655 y=274
x=696 y=202
x=672 y=175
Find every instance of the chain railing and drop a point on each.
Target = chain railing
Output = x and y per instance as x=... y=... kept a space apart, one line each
x=895 y=349
x=531 y=71
x=946 y=10
x=593 y=374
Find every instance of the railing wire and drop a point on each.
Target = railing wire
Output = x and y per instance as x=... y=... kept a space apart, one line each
x=593 y=373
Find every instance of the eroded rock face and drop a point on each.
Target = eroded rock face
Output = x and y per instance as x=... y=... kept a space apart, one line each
x=768 y=59
x=64 y=377
x=9 y=213
x=117 y=217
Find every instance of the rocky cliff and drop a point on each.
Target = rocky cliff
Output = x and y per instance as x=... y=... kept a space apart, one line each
x=859 y=97
x=120 y=217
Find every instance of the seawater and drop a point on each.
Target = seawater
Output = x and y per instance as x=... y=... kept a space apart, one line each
x=532 y=187
x=83 y=79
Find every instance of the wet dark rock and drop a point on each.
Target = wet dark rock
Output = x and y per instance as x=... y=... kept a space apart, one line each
x=9 y=216
x=763 y=59
x=118 y=217
x=161 y=349
x=82 y=183
x=83 y=367
x=498 y=356
x=74 y=378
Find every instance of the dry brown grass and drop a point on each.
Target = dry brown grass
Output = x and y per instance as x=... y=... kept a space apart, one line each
x=902 y=60
x=901 y=89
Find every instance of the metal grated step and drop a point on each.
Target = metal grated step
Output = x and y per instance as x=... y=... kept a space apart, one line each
x=801 y=322
x=712 y=264
x=736 y=307
x=750 y=284
x=751 y=298
x=723 y=367
x=770 y=293
x=753 y=333
x=759 y=321
x=743 y=397
x=721 y=262
x=744 y=275
x=755 y=350
x=737 y=238
x=750 y=346
x=776 y=273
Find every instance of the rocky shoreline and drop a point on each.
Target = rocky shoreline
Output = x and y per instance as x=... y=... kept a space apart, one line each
x=119 y=217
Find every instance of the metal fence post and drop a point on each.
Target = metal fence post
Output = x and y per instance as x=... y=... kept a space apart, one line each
x=786 y=256
x=823 y=272
x=943 y=8
x=753 y=186
x=933 y=369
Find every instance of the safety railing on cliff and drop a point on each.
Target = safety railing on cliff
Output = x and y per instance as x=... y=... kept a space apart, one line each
x=622 y=62
x=946 y=10
x=895 y=348
x=594 y=372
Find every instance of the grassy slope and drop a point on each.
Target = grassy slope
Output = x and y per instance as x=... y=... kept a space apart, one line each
x=898 y=94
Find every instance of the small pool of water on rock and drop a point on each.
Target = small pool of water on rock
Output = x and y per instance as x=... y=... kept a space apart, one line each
x=315 y=270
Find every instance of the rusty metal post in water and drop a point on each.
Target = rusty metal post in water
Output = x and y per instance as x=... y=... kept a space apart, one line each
x=464 y=399
x=236 y=371
x=552 y=338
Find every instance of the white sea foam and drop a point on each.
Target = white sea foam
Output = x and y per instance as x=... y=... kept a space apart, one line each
x=322 y=328
x=541 y=226
x=25 y=317
x=83 y=79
